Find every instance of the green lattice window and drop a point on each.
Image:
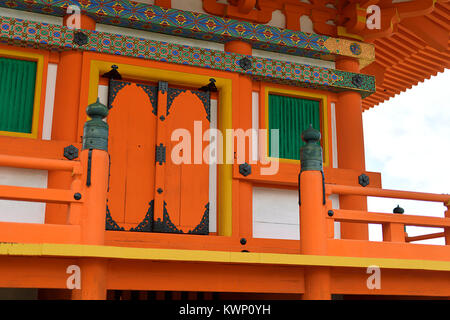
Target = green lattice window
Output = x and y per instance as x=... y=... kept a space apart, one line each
x=17 y=85
x=291 y=116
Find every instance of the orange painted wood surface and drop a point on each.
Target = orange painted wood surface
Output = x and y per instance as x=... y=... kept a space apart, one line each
x=392 y=282
x=132 y=130
x=50 y=149
x=186 y=185
x=386 y=193
x=37 y=194
x=375 y=217
x=38 y=163
x=34 y=272
x=43 y=272
x=198 y=242
x=126 y=275
x=288 y=176
x=389 y=250
x=180 y=189
x=39 y=233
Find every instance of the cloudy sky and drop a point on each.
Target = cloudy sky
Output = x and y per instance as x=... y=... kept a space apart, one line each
x=407 y=139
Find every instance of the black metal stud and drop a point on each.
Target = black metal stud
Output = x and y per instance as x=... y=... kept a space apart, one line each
x=77 y=196
x=211 y=86
x=245 y=63
x=163 y=86
x=159 y=190
x=245 y=169
x=113 y=74
x=243 y=241
x=70 y=152
x=162 y=118
x=398 y=210
x=330 y=213
x=363 y=180
x=80 y=38
x=357 y=80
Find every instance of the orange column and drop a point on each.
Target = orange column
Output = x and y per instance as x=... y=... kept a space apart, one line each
x=350 y=147
x=313 y=224
x=95 y=162
x=313 y=235
x=244 y=110
x=65 y=116
x=93 y=271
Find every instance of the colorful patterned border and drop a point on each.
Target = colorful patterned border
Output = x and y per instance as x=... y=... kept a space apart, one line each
x=54 y=37
x=201 y=26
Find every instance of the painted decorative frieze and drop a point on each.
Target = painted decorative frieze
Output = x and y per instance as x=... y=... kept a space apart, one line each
x=53 y=37
x=201 y=26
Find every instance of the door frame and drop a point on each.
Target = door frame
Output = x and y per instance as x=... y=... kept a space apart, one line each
x=94 y=65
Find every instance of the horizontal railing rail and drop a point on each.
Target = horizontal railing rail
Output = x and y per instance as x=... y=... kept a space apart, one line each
x=425 y=237
x=39 y=163
x=38 y=195
x=386 y=193
x=380 y=218
x=393 y=224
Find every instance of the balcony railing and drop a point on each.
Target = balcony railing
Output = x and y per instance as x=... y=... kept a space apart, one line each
x=86 y=200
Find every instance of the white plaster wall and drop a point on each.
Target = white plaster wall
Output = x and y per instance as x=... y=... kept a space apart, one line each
x=337 y=225
x=103 y=94
x=334 y=136
x=276 y=214
x=306 y=24
x=294 y=59
x=255 y=125
x=188 y=5
x=145 y=1
x=49 y=101
x=278 y=19
x=159 y=37
x=30 y=16
x=20 y=211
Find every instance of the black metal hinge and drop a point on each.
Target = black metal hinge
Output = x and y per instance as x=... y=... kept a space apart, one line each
x=161 y=154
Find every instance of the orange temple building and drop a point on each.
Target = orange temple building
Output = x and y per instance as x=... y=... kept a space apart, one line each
x=152 y=150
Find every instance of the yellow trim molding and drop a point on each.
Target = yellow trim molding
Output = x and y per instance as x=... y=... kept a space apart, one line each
x=39 y=58
x=151 y=254
x=323 y=98
x=224 y=85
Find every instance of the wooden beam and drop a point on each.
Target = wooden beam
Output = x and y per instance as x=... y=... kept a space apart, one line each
x=375 y=217
x=38 y=195
x=39 y=233
x=50 y=149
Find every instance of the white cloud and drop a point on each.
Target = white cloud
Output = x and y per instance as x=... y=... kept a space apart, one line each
x=407 y=139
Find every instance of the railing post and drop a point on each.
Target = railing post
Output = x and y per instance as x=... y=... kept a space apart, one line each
x=95 y=161
x=394 y=232
x=313 y=225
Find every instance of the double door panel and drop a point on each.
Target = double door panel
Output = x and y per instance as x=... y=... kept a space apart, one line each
x=149 y=190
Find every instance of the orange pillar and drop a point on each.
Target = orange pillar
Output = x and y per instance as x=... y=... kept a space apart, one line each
x=65 y=116
x=244 y=122
x=95 y=162
x=350 y=147
x=313 y=225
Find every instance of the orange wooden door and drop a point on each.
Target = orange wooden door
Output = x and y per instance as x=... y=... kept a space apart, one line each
x=185 y=197
x=132 y=125
x=148 y=190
